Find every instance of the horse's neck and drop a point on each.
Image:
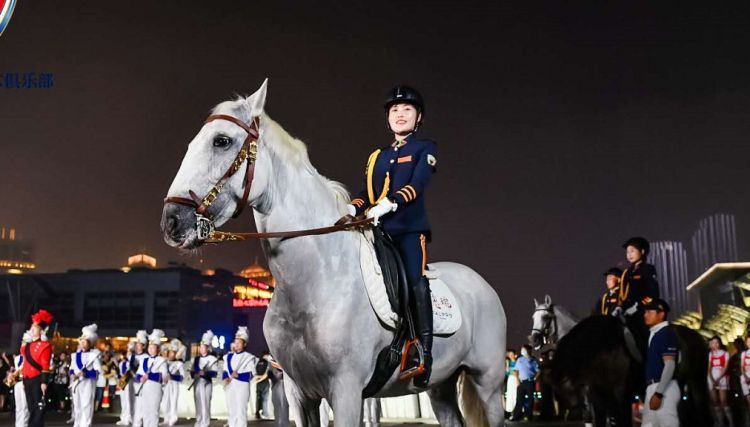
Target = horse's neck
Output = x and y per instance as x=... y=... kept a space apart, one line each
x=299 y=198
x=565 y=321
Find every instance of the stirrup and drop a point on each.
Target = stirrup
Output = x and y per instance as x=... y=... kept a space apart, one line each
x=414 y=371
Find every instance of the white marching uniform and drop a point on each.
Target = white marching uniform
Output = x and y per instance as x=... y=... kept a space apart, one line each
x=148 y=400
x=137 y=416
x=745 y=369
x=203 y=388
x=19 y=394
x=126 y=396
x=176 y=371
x=717 y=362
x=238 y=390
x=88 y=365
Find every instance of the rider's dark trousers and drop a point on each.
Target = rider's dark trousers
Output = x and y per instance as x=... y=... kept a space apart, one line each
x=413 y=250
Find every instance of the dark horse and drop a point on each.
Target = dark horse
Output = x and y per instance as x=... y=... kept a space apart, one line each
x=593 y=360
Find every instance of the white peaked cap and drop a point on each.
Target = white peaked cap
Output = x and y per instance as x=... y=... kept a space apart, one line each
x=131 y=345
x=156 y=336
x=89 y=332
x=27 y=336
x=242 y=334
x=207 y=338
x=141 y=337
x=175 y=345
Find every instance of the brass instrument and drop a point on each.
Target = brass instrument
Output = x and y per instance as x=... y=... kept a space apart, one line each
x=123 y=381
x=13 y=378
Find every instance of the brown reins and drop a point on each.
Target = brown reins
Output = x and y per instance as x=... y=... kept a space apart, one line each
x=205 y=227
x=225 y=236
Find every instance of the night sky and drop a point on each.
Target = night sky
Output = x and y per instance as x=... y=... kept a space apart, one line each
x=563 y=128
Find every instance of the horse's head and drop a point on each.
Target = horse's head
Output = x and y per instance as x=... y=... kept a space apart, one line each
x=543 y=329
x=214 y=180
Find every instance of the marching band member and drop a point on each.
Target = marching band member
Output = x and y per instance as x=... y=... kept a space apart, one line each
x=141 y=341
x=85 y=368
x=22 y=409
x=126 y=391
x=397 y=177
x=152 y=373
x=36 y=367
x=204 y=371
x=718 y=379
x=239 y=368
x=176 y=368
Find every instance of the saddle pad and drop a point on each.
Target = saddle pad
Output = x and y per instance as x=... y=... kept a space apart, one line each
x=446 y=314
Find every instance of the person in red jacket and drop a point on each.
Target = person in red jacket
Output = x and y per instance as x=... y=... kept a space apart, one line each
x=36 y=367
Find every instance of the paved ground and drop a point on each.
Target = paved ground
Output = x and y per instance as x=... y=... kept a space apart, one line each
x=58 y=420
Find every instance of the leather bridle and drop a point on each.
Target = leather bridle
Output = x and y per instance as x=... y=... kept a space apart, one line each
x=248 y=154
x=548 y=332
x=205 y=227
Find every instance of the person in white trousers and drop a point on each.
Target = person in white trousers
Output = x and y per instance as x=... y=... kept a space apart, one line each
x=19 y=394
x=151 y=375
x=176 y=368
x=239 y=368
x=85 y=367
x=205 y=367
x=141 y=342
x=662 y=391
x=126 y=393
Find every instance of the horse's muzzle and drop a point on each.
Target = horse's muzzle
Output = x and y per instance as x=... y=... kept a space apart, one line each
x=178 y=226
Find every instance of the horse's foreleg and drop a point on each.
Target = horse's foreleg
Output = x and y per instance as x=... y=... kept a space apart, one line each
x=346 y=402
x=305 y=412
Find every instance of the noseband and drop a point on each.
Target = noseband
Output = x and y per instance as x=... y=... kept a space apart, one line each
x=548 y=331
x=248 y=154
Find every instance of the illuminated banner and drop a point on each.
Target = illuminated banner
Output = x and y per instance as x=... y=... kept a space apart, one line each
x=254 y=294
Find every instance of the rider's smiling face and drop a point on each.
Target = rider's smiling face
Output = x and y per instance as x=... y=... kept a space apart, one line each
x=403 y=118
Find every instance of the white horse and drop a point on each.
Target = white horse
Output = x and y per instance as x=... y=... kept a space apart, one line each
x=550 y=323
x=320 y=325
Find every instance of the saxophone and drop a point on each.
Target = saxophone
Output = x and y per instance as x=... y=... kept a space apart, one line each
x=13 y=378
x=123 y=381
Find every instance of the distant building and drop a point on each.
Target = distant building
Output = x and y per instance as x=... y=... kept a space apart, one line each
x=182 y=301
x=670 y=260
x=16 y=255
x=715 y=241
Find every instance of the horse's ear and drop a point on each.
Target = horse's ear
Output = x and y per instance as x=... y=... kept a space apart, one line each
x=257 y=101
x=536 y=303
x=547 y=300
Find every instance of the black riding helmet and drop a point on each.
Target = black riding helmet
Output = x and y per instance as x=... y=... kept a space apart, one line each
x=402 y=94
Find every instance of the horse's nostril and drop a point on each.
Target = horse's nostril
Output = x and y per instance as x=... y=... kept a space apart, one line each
x=172 y=224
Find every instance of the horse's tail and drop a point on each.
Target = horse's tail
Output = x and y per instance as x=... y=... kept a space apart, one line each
x=471 y=403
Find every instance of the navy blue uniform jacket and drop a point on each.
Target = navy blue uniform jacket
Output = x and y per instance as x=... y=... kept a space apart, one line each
x=401 y=174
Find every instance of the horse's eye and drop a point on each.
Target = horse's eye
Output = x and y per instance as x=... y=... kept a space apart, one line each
x=222 y=141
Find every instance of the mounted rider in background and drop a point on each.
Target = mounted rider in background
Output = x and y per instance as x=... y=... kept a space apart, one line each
x=396 y=178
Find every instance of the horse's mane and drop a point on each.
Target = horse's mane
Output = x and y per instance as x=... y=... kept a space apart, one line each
x=566 y=312
x=292 y=150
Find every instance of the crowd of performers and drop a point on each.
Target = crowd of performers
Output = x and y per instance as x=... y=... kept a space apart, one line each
x=147 y=378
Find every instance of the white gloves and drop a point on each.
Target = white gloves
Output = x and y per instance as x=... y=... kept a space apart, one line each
x=383 y=207
x=617 y=311
x=351 y=210
x=631 y=311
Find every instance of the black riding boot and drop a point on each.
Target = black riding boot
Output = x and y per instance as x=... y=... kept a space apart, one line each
x=423 y=323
